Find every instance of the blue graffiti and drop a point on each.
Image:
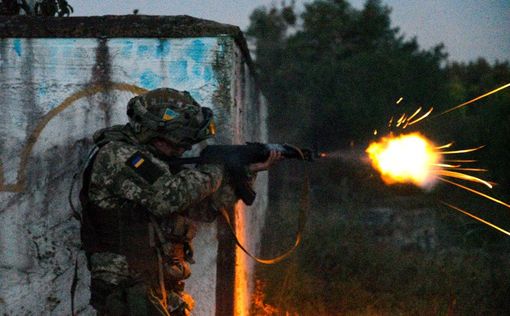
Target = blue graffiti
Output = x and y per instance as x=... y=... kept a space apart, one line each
x=127 y=47
x=43 y=89
x=197 y=51
x=197 y=70
x=143 y=50
x=163 y=48
x=150 y=80
x=178 y=70
x=208 y=73
x=17 y=46
x=197 y=96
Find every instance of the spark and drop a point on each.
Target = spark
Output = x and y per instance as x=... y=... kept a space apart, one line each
x=421 y=117
x=460 y=160
x=477 y=218
x=445 y=146
x=462 y=151
x=375 y=132
x=414 y=159
x=462 y=176
x=476 y=99
x=401 y=120
x=414 y=114
x=400 y=100
x=470 y=169
x=475 y=192
x=444 y=165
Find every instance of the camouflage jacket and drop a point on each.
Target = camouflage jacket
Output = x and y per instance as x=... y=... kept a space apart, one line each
x=125 y=171
x=127 y=182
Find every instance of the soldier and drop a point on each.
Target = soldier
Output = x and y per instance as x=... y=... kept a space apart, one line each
x=137 y=216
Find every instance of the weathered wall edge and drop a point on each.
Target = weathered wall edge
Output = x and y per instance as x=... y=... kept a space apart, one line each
x=110 y=26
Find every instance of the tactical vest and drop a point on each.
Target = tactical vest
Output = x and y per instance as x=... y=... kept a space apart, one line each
x=123 y=231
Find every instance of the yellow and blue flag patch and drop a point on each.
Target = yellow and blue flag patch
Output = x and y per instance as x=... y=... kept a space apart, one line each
x=144 y=167
x=137 y=161
x=169 y=114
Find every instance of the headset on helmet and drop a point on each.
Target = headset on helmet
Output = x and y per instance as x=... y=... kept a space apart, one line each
x=172 y=115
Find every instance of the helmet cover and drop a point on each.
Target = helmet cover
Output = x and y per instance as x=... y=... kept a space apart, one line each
x=172 y=115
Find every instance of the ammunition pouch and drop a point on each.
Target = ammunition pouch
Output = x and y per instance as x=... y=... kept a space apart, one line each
x=176 y=267
x=174 y=237
x=179 y=228
x=179 y=231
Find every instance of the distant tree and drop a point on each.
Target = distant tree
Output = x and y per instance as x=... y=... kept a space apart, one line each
x=268 y=30
x=64 y=9
x=333 y=75
x=60 y=8
x=14 y=7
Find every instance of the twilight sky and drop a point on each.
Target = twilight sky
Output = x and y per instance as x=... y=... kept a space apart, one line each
x=468 y=28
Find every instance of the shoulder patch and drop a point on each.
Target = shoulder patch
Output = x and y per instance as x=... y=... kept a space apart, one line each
x=144 y=167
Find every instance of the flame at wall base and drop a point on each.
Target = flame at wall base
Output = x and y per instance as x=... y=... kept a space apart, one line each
x=242 y=288
x=259 y=306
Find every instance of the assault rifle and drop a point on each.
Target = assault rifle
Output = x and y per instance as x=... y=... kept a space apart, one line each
x=236 y=158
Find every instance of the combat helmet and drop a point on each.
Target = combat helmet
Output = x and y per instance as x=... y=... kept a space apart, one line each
x=172 y=115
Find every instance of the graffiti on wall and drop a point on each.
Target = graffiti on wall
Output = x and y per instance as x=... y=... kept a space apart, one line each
x=193 y=64
x=20 y=184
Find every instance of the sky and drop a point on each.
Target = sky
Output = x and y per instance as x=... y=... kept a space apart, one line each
x=469 y=29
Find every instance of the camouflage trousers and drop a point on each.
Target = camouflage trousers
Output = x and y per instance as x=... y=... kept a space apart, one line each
x=135 y=298
x=114 y=291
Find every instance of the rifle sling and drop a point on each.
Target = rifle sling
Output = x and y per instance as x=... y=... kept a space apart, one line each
x=303 y=214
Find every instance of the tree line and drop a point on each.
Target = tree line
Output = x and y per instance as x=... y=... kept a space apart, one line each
x=332 y=75
x=41 y=8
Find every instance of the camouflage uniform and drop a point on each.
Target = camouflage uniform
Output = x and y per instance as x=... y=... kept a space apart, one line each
x=137 y=224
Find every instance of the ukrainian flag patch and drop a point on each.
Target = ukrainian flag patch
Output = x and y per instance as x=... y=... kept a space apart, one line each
x=144 y=167
x=137 y=161
x=169 y=114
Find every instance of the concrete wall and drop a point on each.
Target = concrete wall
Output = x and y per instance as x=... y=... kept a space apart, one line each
x=55 y=93
x=249 y=127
